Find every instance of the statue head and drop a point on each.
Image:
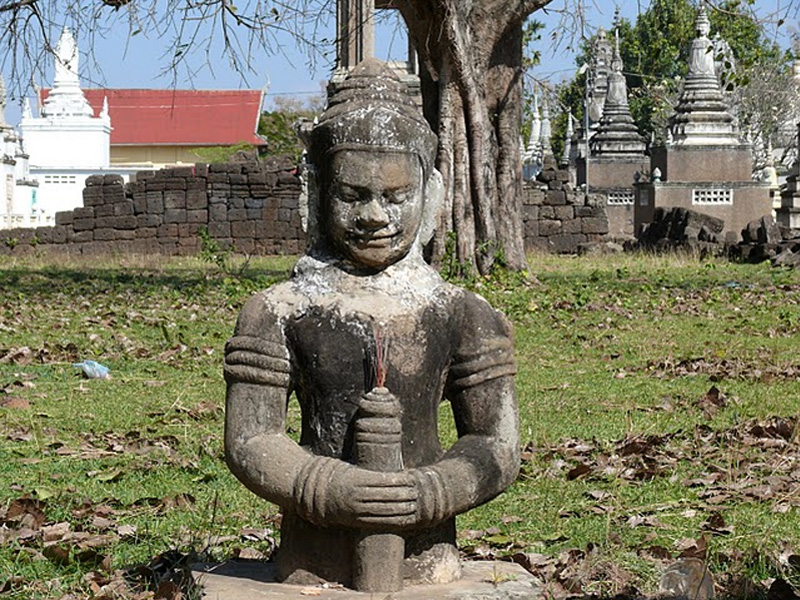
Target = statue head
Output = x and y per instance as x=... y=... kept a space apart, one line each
x=702 y=24
x=373 y=155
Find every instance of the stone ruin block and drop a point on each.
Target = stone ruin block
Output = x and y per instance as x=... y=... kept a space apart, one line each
x=201 y=170
x=155 y=203
x=104 y=234
x=79 y=237
x=255 y=214
x=93 y=196
x=287 y=179
x=257 y=179
x=148 y=220
x=123 y=209
x=235 y=203
x=219 y=229
x=174 y=215
x=217 y=212
x=589 y=211
x=113 y=194
x=196 y=183
x=139 y=204
x=240 y=191
x=555 y=197
x=237 y=214
x=146 y=232
x=60 y=234
x=196 y=199
x=125 y=222
x=104 y=210
x=244 y=245
x=136 y=187
x=175 y=172
x=762 y=231
x=217 y=177
x=243 y=229
x=64 y=217
x=197 y=216
x=188 y=230
x=260 y=192
x=83 y=224
x=113 y=179
x=44 y=235
x=594 y=225
x=156 y=185
x=564 y=212
x=548 y=227
x=566 y=243
x=572 y=226
x=175 y=183
x=168 y=230
x=104 y=222
x=174 y=199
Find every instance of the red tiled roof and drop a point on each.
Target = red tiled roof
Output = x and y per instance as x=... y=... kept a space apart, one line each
x=179 y=117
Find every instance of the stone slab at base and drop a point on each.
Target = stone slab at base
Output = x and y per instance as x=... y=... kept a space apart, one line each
x=255 y=580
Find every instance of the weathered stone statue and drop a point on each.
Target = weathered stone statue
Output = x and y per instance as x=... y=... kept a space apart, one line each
x=371 y=340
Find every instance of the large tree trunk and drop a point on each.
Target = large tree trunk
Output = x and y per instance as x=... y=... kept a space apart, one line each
x=471 y=55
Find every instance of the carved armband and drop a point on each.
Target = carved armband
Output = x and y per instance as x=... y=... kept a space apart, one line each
x=434 y=501
x=491 y=360
x=311 y=487
x=250 y=359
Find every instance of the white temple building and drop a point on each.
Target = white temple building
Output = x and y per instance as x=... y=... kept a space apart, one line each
x=19 y=207
x=66 y=142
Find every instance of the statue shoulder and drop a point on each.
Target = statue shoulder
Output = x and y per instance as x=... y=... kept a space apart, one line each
x=476 y=312
x=265 y=310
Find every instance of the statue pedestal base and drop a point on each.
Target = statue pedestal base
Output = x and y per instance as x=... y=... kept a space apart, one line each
x=255 y=580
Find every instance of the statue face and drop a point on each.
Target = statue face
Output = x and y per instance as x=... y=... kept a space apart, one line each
x=374 y=206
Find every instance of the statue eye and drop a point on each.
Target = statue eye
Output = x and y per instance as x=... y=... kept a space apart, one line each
x=347 y=195
x=396 y=196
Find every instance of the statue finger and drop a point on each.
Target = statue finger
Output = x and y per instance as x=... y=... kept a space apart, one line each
x=388 y=494
x=367 y=510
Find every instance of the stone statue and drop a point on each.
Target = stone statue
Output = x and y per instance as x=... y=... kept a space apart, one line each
x=701 y=59
x=371 y=341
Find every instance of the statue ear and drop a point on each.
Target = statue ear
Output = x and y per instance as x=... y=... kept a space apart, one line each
x=310 y=203
x=432 y=205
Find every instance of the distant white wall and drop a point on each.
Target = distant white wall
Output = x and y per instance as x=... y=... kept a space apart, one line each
x=67 y=143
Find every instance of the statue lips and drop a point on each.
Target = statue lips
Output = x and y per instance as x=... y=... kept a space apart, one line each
x=373 y=240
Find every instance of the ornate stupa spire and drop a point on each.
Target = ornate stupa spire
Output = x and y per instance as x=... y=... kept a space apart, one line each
x=598 y=75
x=617 y=134
x=536 y=127
x=701 y=116
x=567 y=154
x=3 y=98
x=547 y=130
x=66 y=99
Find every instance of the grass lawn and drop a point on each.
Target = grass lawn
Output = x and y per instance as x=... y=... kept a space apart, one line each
x=658 y=398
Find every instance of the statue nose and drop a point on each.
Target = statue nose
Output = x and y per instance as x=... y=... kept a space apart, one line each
x=373 y=215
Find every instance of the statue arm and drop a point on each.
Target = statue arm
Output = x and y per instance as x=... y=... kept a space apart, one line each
x=257 y=449
x=485 y=459
x=324 y=490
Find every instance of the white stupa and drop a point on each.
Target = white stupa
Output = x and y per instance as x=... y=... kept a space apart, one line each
x=66 y=142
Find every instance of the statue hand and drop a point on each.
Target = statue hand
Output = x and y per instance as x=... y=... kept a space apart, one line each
x=379 y=402
x=332 y=492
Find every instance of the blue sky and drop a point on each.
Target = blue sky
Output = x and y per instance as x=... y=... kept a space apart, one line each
x=137 y=62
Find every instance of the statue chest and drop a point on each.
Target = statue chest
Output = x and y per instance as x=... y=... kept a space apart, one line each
x=334 y=357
